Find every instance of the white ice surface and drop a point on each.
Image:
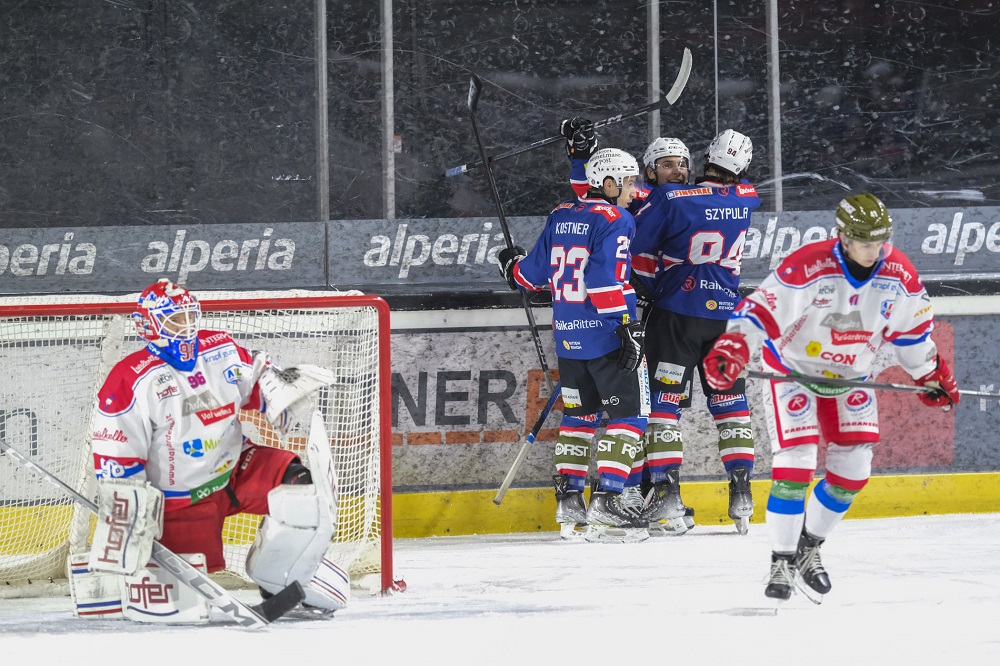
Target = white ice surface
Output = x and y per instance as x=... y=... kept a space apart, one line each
x=922 y=590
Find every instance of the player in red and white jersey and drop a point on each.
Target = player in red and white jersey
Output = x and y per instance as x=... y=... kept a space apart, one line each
x=167 y=422
x=826 y=311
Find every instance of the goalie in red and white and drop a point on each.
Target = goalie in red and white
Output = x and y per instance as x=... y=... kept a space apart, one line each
x=172 y=461
x=825 y=312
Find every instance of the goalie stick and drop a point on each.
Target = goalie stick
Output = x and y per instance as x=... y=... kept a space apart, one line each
x=909 y=388
x=672 y=96
x=246 y=616
x=528 y=441
x=475 y=88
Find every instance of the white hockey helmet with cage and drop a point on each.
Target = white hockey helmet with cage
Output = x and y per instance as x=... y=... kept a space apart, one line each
x=731 y=151
x=665 y=146
x=168 y=316
x=610 y=163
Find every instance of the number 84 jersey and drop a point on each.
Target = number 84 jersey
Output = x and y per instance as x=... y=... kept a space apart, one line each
x=583 y=256
x=689 y=246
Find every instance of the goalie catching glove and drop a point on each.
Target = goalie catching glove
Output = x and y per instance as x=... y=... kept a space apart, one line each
x=507 y=258
x=288 y=394
x=942 y=380
x=726 y=360
x=631 y=336
x=581 y=141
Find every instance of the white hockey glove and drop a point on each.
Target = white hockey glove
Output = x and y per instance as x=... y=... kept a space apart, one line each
x=288 y=394
x=129 y=519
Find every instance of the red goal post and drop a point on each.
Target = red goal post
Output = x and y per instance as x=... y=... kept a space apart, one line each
x=56 y=351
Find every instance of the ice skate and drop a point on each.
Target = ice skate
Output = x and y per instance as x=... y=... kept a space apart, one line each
x=664 y=508
x=740 y=499
x=609 y=520
x=782 y=578
x=571 y=510
x=810 y=575
x=673 y=526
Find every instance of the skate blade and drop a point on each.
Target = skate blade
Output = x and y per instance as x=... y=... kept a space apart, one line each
x=609 y=534
x=573 y=531
x=809 y=593
x=742 y=524
x=669 y=527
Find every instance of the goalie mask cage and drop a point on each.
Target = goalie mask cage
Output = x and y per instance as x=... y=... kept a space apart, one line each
x=55 y=356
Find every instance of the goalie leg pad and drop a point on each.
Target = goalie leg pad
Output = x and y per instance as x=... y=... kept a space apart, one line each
x=129 y=519
x=154 y=595
x=291 y=544
x=96 y=594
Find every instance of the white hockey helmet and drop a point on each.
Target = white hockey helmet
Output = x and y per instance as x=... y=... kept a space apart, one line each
x=665 y=146
x=610 y=163
x=731 y=151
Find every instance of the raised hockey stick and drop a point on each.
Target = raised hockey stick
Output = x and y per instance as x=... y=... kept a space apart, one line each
x=528 y=441
x=260 y=615
x=475 y=88
x=672 y=95
x=908 y=388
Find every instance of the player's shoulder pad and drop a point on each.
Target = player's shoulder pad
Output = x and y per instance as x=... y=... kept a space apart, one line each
x=609 y=212
x=673 y=191
x=118 y=390
x=898 y=265
x=809 y=262
x=212 y=339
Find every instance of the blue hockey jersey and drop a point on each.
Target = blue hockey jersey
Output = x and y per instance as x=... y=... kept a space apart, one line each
x=582 y=255
x=688 y=246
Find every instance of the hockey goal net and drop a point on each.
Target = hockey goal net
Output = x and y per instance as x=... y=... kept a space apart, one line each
x=55 y=356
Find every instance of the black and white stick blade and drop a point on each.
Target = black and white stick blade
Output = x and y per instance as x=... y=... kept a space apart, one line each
x=475 y=87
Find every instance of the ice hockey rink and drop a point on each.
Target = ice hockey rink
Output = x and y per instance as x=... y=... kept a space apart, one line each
x=918 y=590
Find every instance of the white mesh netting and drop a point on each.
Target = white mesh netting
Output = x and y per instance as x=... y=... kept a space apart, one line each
x=56 y=355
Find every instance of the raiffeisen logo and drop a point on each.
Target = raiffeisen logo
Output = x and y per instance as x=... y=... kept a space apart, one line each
x=184 y=256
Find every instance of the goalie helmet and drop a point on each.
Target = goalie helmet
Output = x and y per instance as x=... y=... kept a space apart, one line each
x=864 y=218
x=168 y=315
x=665 y=147
x=611 y=163
x=730 y=151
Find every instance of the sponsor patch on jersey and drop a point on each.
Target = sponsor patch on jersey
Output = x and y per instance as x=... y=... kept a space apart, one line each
x=849 y=337
x=233 y=374
x=571 y=397
x=106 y=435
x=798 y=404
x=693 y=192
x=813 y=349
x=689 y=284
x=745 y=190
x=610 y=213
x=886 y=309
x=168 y=392
x=711 y=305
x=669 y=373
x=216 y=414
x=571 y=345
x=857 y=400
x=196 y=448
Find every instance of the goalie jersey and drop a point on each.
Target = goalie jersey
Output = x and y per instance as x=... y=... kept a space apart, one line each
x=582 y=255
x=178 y=430
x=689 y=246
x=818 y=320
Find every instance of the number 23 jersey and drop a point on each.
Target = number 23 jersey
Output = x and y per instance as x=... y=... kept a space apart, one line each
x=583 y=256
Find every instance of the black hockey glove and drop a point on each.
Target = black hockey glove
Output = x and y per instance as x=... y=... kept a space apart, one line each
x=506 y=258
x=643 y=298
x=581 y=141
x=631 y=336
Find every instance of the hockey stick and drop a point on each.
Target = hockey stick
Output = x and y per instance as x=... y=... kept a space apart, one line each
x=528 y=441
x=247 y=616
x=909 y=388
x=475 y=87
x=675 y=92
